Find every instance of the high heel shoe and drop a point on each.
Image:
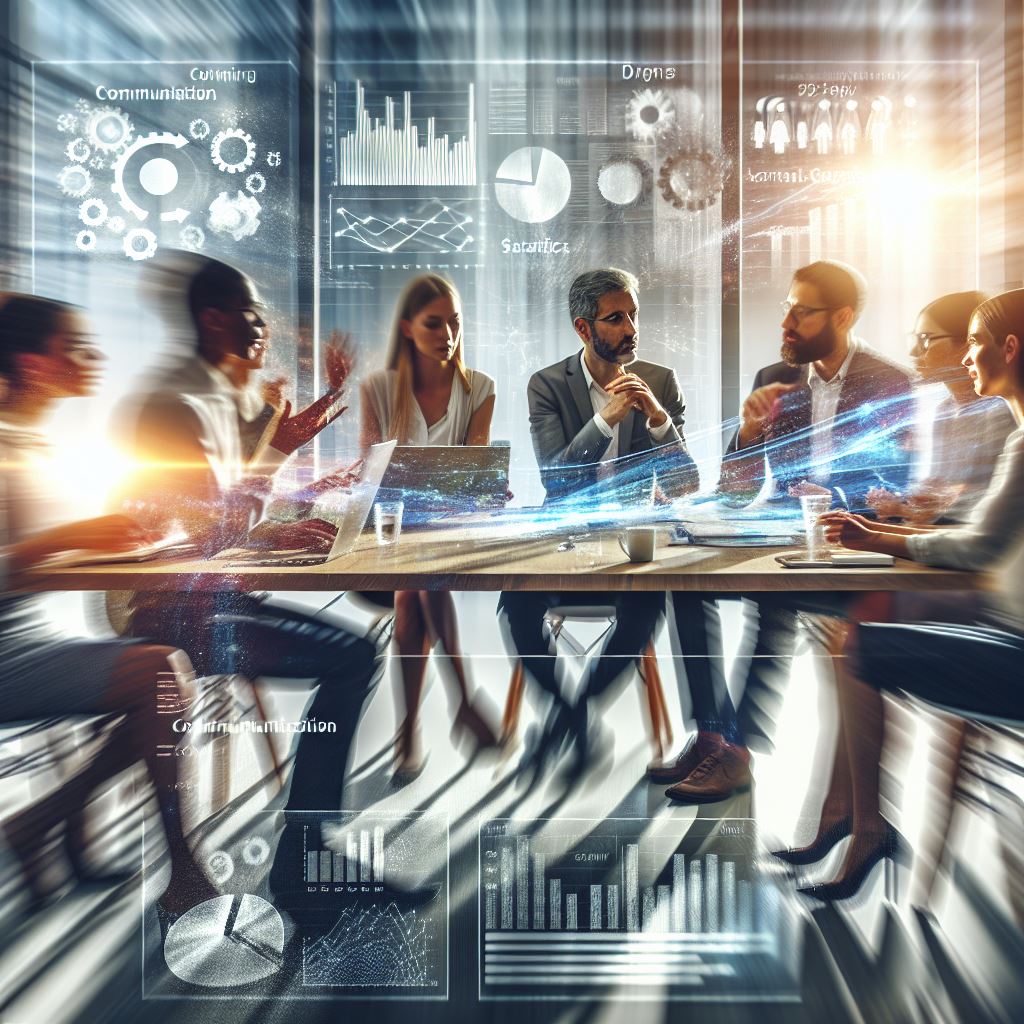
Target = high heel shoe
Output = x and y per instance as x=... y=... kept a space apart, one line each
x=407 y=767
x=891 y=846
x=817 y=850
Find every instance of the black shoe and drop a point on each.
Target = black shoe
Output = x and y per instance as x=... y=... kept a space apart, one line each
x=820 y=847
x=892 y=846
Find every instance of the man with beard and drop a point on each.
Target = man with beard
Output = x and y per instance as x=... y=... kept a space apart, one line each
x=600 y=431
x=833 y=417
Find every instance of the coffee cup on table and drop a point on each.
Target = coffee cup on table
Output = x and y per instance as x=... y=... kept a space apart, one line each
x=638 y=542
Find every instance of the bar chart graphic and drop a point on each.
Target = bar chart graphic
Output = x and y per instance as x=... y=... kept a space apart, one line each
x=384 y=141
x=631 y=907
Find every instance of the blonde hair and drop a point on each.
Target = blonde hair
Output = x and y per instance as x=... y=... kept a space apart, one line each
x=416 y=295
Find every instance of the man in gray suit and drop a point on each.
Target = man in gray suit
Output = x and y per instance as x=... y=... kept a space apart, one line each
x=600 y=432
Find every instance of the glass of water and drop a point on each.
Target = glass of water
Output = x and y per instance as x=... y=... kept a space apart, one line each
x=387 y=520
x=813 y=506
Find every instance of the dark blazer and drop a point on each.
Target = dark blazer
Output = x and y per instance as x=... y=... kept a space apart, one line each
x=872 y=439
x=569 y=445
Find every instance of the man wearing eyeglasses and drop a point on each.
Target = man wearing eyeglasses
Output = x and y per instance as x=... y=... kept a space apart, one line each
x=604 y=424
x=833 y=417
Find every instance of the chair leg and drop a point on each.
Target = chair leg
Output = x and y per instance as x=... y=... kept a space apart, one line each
x=661 y=727
x=513 y=704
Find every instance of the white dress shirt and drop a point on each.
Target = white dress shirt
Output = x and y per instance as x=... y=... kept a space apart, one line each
x=599 y=398
x=824 y=403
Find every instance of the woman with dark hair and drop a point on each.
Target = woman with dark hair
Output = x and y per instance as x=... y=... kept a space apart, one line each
x=970 y=669
x=425 y=395
x=47 y=354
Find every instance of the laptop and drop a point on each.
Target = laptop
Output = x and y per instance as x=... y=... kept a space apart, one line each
x=435 y=482
x=351 y=518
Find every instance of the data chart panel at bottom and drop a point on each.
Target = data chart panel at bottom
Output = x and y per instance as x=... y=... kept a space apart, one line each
x=632 y=908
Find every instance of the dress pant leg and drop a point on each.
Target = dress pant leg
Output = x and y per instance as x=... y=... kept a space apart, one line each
x=521 y=617
x=637 y=616
x=699 y=634
x=763 y=667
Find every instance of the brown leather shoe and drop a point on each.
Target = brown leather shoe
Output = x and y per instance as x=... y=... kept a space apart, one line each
x=699 y=746
x=721 y=774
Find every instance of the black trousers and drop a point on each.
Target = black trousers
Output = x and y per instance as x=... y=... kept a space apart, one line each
x=637 y=616
x=246 y=634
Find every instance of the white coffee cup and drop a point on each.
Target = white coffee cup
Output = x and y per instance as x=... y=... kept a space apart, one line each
x=638 y=543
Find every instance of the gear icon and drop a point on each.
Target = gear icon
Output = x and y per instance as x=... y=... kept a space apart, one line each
x=118 y=188
x=192 y=237
x=78 y=150
x=256 y=851
x=693 y=179
x=199 y=129
x=116 y=225
x=221 y=866
x=82 y=106
x=273 y=159
x=74 y=181
x=232 y=166
x=86 y=240
x=255 y=183
x=67 y=123
x=140 y=244
x=649 y=114
x=108 y=129
x=237 y=216
x=93 y=212
x=97 y=163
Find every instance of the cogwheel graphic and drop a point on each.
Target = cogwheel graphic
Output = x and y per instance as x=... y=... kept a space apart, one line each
x=693 y=180
x=256 y=851
x=78 y=150
x=139 y=244
x=199 y=129
x=649 y=113
x=255 y=183
x=232 y=166
x=237 y=216
x=97 y=163
x=82 y=106
x=273 y=159
x=116 y=225
x=86 y=240
x=221 y=866
x=108 y=129
x=152 y=139
x=74 y=181
x=67 y=123
x=192 y=237
x=93 y=212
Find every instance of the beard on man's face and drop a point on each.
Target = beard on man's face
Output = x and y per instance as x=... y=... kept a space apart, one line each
x=621 y=354
x=797 y=351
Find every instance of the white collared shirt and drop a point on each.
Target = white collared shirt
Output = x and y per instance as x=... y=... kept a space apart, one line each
x=824 y=404
x=599 y=398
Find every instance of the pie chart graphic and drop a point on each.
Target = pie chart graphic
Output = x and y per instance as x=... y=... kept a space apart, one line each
x=532 y=184
x=225 y=942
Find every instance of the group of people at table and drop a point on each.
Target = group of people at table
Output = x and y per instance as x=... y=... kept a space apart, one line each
x=206 y=435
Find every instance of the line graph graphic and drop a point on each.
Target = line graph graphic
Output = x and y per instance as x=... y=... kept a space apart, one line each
x=374 y=946
x=412 y=226
x=393 y=150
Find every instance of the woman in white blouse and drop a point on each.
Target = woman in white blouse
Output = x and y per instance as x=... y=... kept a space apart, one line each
x=971 y=669
x=425 y=395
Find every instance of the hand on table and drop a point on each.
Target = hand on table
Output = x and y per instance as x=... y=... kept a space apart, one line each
x=852 y=531
x=340 y=479
x=106 y=533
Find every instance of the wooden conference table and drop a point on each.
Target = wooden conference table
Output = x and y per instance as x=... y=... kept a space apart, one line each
x=482 y=558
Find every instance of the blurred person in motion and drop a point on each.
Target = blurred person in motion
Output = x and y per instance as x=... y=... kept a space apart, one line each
x=183 y=430
x=833 y=417
x=967 y=431
x=603 y=423
x=971 y=668
x=426 y=395
x=47 y=353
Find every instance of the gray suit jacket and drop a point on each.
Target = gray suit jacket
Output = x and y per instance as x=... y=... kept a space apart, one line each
x=569 y=445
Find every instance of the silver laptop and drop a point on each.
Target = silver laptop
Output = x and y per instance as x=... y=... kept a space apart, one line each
x=352 y=519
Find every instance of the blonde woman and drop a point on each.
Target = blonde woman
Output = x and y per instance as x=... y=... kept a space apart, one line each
x=425 y=395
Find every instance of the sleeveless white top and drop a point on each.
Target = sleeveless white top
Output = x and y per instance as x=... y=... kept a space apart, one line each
x=451 y=429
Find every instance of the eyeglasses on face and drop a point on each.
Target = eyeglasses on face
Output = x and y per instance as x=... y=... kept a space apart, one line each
x=800 y=311
x=923 y=340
